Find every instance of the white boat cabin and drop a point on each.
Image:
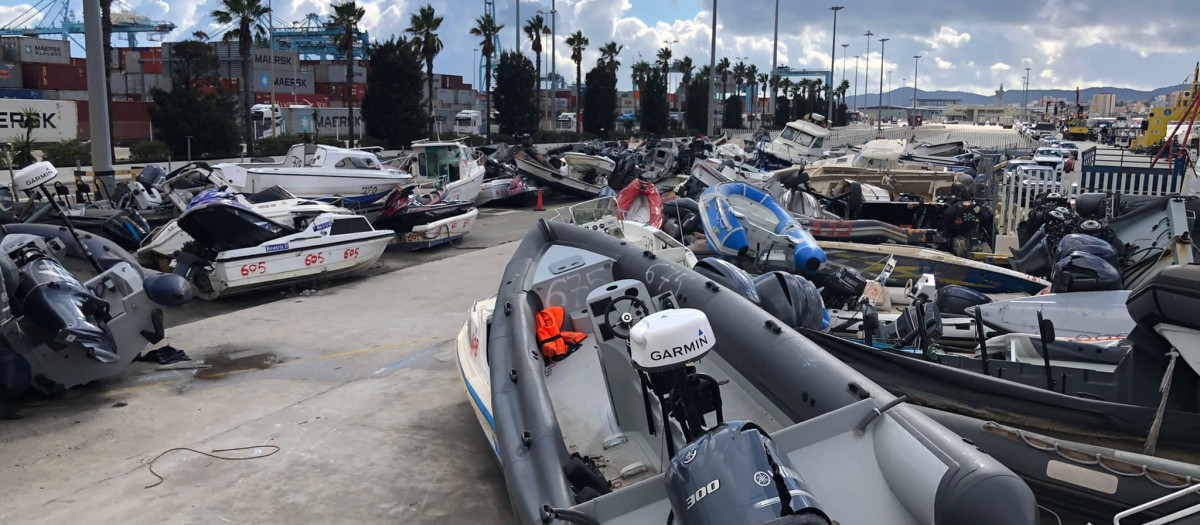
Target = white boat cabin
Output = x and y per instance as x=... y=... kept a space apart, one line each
x=322 y=156
x=799 y=140
x=444 y=161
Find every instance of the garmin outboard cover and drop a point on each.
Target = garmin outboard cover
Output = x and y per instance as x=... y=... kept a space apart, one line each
x=735 y=474
x=55 y=306
x=1084 y=272
x=791 y=298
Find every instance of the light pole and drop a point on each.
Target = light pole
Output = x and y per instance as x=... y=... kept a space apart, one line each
x=867 y=71
x=712 y=69
x=832 y=59
x=844 y=46
x=1025 y=106
x=517 y=26
x=774 y=57
x=553 y=95
x=475 y=74
x=670 y=45
x=916 y=62
x=856 y=83
x=879 y=106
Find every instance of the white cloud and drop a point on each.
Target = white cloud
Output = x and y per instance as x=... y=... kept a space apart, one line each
x=945 y=37
x=999 y=67
x=943 y=64
x=1047 y=74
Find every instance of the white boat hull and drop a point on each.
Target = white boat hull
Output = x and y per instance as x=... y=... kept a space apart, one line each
x=303 y=259
x=315 y=183
x=581 y=161
x=499 y=189
x=437 y=232
x=557 y=181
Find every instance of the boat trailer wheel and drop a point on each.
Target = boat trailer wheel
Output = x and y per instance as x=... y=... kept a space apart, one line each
x=636 y=311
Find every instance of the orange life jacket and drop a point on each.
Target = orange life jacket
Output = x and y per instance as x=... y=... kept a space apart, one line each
x=556 y=344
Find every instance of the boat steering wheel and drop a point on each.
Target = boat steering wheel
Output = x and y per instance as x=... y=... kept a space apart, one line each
x=636 y=311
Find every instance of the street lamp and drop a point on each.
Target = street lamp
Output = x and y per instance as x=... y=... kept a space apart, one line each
x=916 y=60
x=475 y=75
x=867 y=71
x=1025 y=106
x=553 y=96
x=712 y=67
x=879 y=107
x=844 y=46
x=669 y=44
x=774 y=57
x=832 y=59
x=855 y=83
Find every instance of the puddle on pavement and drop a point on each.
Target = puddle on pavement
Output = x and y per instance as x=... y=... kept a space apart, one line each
x=223 y=365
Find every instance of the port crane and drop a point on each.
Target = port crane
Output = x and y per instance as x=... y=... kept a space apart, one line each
x=54 y=18
x=314 y=37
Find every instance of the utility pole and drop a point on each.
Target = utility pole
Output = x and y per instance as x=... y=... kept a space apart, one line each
x=97 y=94
x=517 y=26
x=867 y=71
x=774 y=58
x=856 y=83
x=832 y=58
x=271 y=45
x=712 y=70
x=844 y=46
x=1025 y=105
x=916 y=59
x=879 y=107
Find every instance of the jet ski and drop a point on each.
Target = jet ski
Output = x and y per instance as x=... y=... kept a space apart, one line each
x=59 y=332
x=684 y=402
x=741 y=221
x=234 y=249
x=422 y=220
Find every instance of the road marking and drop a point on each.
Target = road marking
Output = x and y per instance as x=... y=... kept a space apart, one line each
x=497 y=211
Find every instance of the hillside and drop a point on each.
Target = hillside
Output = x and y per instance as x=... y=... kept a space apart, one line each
x=903 y=96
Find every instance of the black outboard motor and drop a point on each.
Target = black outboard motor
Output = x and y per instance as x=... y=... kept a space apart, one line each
x=735 y=475
x=843 y=287
x=790 y=298
x=1077 y=242
x=957 y=300
x=728 y=275
x=1084 y=272
x=57 y=308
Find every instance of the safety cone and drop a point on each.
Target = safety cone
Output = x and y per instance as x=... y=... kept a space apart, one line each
x=539 y=206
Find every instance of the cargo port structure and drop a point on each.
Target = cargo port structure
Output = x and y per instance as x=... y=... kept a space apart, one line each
x=54 y=18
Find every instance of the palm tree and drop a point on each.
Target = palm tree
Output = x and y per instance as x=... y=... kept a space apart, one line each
x=578 y=43
x=200 y=36
x=751 y=78
x=641 y=70
x=345 y=19
x=608 y=56
x=486 y=28
x=762 y=80
x=664 y=60
x=248 y=17
x=723 y=72
x=815 y=94
x=423 y=27
x=534 y=29
x=684 y=66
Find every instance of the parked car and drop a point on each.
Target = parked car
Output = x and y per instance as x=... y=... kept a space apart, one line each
x=1049 y=157
x=1071 y=147
x=1068 y=161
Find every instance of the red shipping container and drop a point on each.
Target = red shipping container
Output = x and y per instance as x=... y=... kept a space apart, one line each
x=122 y=111
x=152 y=61
x=54 y=77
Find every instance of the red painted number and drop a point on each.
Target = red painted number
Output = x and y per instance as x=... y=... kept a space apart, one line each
x=350 y=254
x=254 y=268
x=314 y=258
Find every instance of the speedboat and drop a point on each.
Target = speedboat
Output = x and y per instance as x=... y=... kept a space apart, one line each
x=684 y=402
x=801 y=142
x=235 y=249
x=423 y=220
x=741 y=221
x=317 y=171
x=450 y=167
x=589 y=164
x=605 y=215
x=879 y=163
x=504 y=189
x=586 y=185
x=912 y=262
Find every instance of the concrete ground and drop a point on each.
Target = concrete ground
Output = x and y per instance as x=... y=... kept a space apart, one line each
x=357 y=386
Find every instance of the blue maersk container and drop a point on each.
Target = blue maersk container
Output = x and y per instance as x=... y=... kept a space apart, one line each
x=26 y=94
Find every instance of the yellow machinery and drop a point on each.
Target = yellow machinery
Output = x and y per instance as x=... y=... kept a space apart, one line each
x=1077 y=127
x=1155 y=127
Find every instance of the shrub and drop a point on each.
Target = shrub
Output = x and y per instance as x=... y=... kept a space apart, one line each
x=150 y=150
x=68 y=153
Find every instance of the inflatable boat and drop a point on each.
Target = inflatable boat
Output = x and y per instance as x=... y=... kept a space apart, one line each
x=640 y=202
x=685 y=402
x=741 y=221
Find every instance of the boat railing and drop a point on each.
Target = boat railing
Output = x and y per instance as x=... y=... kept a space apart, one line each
x=1175 y=516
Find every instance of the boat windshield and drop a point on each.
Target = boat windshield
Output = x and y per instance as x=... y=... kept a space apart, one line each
x=801 y=138
x=754 y=212
x=597 y=214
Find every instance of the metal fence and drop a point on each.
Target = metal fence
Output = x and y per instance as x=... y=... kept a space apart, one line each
x=1009 y=142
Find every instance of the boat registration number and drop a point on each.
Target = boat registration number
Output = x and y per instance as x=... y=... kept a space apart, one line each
x=257 y=268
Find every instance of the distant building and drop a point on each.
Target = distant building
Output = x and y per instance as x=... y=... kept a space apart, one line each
x=1104 y=105
x=980 y=114
x=937 y=102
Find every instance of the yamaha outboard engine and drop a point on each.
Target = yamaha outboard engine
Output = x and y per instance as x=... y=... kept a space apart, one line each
x=734 y=474
x=57 y=309
x=843 y=287
x=1084 y=272
x=792 y=299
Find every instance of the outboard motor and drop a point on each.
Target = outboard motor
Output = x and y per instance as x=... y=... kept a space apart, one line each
x=957 y=300
x=1077 y=242
x=56 y=308
x=843 y=287
x=791 y=299
x=728 y=275
x=734 y=474
x=1081 y=271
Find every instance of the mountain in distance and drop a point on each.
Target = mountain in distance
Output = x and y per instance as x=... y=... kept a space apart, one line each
x=903 y=96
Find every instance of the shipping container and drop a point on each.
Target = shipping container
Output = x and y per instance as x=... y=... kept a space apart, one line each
x=51 y=94
x=117 y=84
x=29 y=50
x=286 y=99
x=10 y=75
x=20 y=93
x=54 y=77
x=337 y=73
x=324 y=122
x=285 y=81
x=57 y=119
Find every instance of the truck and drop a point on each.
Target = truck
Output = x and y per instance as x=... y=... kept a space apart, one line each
x=1006 y=122
x=468 y=122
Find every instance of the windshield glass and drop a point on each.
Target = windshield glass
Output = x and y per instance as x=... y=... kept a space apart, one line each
x=588 y=212
x=1047 y=152
x=462 y=121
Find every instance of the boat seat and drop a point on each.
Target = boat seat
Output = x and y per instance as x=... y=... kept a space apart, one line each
x=1172 y=296
x=222 y=226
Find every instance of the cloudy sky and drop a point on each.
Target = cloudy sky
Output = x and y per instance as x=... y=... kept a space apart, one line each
x=970 y=46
